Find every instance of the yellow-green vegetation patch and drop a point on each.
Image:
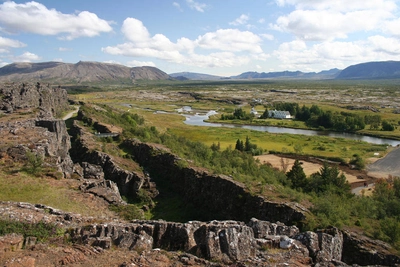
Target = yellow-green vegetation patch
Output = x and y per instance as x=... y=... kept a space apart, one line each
x=286 y=143
x=20 y=187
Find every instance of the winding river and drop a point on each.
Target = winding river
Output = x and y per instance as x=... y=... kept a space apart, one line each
x=198 y=120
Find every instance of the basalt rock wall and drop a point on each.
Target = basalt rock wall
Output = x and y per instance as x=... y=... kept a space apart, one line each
x=49 y=100
x=58 y=144
x=216 y=196
x=28 y=124
x=128 y=182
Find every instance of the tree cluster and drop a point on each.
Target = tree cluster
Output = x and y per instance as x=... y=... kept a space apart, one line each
x=238 y=114
x=247 y=146
x=328 y=179
x=315 y=117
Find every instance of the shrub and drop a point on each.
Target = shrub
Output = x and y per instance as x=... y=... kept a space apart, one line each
x=128 y=212
x=41 y=230
x=34 y=163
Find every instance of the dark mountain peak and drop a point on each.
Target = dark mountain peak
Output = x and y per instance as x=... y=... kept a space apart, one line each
x=372 y=70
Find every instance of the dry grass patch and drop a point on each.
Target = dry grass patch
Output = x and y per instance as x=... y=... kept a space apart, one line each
x=308 y=167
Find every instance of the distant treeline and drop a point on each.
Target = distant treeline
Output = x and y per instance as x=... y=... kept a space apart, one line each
x=315 y=117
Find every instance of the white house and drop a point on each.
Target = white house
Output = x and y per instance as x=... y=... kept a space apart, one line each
x=278 y=114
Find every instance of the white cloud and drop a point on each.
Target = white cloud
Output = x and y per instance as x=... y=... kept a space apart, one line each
x=240 y=20
x=230 y=40
x=135 y=31
x=297 y=55
x=392 y=27
x=216 y=60
x=6 y=43
x=177 y=5
x=329 y=20
x=34 y=17
x=64 y=49
x=388 y=46
x=222 y=48
x=340 y=5
x=136 y=63
x=196 y=5
x=26 y=57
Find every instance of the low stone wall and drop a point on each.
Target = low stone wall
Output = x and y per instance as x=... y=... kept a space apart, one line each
x=227 y=241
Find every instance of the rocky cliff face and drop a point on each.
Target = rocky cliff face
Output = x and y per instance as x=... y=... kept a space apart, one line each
x=49 y=101
x=217 y=196
x=129 y=182
x=28 y=124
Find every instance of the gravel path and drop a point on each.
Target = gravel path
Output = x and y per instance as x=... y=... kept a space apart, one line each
x=388 y=165
x=69 y=115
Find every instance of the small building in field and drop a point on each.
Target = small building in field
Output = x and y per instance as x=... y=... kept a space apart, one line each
x=278 y=114
x=254 y=112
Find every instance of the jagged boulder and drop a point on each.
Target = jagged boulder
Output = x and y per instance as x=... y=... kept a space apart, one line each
x=310 y=240
x=222 y=240
x=324 y=246
x=362 y=250
x=92 y=171
x=105 y=189
x=263 y=229
x=331 y=245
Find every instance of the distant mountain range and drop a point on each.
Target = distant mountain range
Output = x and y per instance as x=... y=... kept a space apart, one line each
x=86 y=72
x=79 y=72
x=182 y=76
x=328 y=74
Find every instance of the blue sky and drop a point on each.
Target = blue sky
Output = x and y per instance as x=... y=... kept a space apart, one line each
x=218 y=37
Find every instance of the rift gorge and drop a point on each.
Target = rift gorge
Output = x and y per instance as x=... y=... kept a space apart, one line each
x=176 y=182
